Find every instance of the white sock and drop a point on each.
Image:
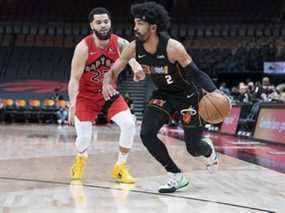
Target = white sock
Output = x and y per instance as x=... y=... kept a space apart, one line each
x=177 y=176
x=122 y=158
x=82 y=154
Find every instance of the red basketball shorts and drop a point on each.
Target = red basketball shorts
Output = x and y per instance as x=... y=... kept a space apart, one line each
x=88 y=109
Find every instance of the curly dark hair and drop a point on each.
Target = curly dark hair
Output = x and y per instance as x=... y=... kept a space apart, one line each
x=152 y=13
x=97 y=11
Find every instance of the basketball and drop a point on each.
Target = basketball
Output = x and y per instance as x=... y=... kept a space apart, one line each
x=214 y=107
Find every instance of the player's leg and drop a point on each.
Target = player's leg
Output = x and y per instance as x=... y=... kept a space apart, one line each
x=196 y=144
x=83 y=140
x=121 y=115
x=83 y=127
x=153 y=119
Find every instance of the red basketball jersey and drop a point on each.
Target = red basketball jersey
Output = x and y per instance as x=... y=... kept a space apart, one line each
x=99 y=61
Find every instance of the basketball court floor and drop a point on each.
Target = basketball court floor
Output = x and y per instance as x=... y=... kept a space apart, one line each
x=35 y=162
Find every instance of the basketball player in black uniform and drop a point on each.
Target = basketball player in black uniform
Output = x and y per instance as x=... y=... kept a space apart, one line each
x=180 y=86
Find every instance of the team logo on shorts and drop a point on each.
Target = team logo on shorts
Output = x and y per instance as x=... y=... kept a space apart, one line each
x=186 y=117
x=157 y=102
x=187 y=114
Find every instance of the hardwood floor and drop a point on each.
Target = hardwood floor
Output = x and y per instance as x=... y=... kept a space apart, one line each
x=34 y=176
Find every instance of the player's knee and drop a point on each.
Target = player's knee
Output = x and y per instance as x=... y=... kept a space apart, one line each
x=128 y=125
x=197 y=147
x=193 y=137
x=147 y=135
x=82 y=143
x=125 y=121
x=128 y=130
x=193 y=150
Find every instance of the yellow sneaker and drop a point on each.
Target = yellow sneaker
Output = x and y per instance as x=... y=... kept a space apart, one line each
x=121 y=174
x=78 y=167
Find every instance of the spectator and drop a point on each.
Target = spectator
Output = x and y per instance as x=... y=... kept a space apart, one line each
x=244 y=94
x=61 y=112
x=267 y=90
x=251 y=87
x=224 y=88
x=235 y=93
x=281 y=92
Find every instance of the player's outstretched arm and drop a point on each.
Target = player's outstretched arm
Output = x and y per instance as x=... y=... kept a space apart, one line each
x=108 y=89
x=77 y=67
x=177 y=53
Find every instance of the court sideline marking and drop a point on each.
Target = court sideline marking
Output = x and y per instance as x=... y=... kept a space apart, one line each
x=139 y=191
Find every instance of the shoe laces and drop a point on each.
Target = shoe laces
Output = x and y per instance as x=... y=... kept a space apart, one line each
x=124 y=170
x=172 y=181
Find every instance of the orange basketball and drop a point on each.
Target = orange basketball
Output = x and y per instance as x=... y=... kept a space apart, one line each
x=214 y=107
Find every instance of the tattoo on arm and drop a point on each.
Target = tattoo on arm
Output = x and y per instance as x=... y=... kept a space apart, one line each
x=122 y=44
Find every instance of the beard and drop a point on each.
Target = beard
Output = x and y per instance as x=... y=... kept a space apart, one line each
x=141 y=38
x=103 y=35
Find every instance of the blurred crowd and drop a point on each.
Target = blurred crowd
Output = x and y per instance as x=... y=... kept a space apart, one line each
x=218 y=55
x=252 y=92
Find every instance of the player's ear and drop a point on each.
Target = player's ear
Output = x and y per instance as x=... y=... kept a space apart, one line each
x=153 y=27
x=90 y=24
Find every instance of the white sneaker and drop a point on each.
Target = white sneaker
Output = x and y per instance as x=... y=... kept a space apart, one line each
x=176 y=181
x=213 y=160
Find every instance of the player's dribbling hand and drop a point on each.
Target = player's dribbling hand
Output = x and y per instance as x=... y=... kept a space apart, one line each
x=108 y=91
x=222 y=93
x=71 y=114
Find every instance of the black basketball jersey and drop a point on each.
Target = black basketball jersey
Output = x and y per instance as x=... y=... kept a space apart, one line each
x=166 y=76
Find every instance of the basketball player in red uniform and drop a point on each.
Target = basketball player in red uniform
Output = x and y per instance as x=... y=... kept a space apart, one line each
x=93 y=56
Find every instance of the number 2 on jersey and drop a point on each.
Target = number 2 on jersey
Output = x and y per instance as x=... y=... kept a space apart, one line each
x=96 y=76
x=168 y=79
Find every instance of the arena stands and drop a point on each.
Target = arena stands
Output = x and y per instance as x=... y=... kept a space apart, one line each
x=225 y=39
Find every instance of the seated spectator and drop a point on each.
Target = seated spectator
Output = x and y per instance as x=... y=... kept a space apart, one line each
x=251 y=86
x=281 y=92
x=267 y=90
x=244 y=94
x=61 y=112
x=224 y=88
x=235 y=93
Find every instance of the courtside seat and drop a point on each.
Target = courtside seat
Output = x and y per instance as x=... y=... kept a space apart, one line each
x=20 y=114
x=9 y=107
x=34 y=110
x=48 y=112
